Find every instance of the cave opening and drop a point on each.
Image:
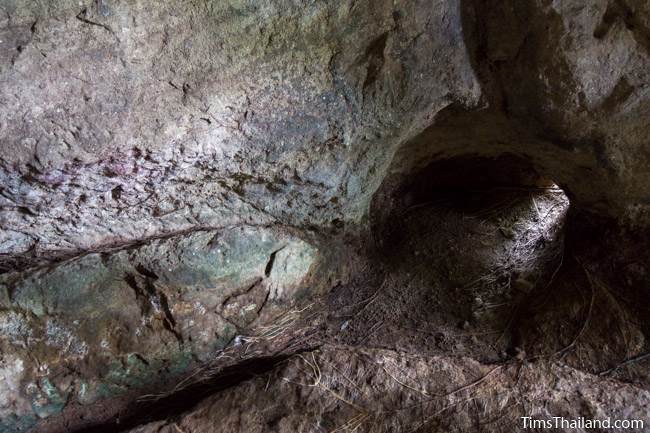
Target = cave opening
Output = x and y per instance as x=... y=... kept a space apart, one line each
x=490 y=258
x=467 y=203
x=466 y=242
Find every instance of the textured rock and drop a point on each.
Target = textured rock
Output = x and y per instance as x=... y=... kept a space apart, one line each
x=168 y=168
x=386 y=391
x=565 y=85
x=104 y=324
x=129 y=119
x=581 y=72
x=141 y=118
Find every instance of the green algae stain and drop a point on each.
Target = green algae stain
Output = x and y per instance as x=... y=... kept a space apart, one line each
x=91 y=290
x=47 y=400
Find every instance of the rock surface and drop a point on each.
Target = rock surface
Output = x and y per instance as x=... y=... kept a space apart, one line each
x=105 y=324
x=174 y=173
x=140 y=118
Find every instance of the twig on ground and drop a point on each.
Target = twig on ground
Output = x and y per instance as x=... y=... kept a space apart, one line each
x=405 y=385
x=432 y=417
x=477 y=382
x=178 y=429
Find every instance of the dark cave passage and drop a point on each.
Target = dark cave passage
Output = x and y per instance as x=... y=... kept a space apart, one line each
x=477 y=214
x=464 y=245
x=485 y=257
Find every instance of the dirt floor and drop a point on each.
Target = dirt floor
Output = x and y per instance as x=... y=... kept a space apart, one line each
x=456 y=274
x=471 y=315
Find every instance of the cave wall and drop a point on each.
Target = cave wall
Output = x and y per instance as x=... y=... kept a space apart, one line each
x=130 y=127
x=125 y=120
x=565 y=85
x=140 y=118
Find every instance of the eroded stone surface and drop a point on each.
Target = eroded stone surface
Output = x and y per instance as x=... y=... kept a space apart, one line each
x=162 y=149
x=145 y=118
x=102 y=324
